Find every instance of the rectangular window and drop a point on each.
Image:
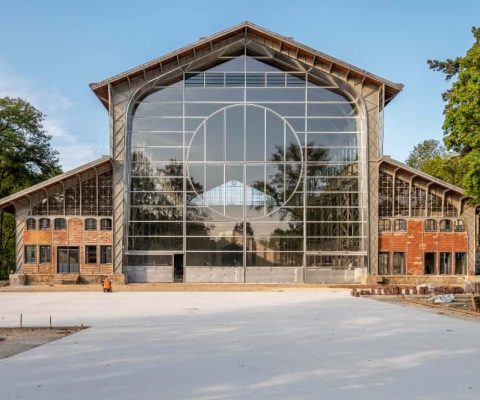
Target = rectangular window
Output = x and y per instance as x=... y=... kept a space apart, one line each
x=106 y=254
x=30 y=254
x=460 y=263
x=429 y=263
x=399 y=263
x=384 y=263
x=45 y=254
x=445 y=264
x=90 y=254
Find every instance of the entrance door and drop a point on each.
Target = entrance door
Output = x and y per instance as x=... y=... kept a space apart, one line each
x=178 y=267
x=68 y=260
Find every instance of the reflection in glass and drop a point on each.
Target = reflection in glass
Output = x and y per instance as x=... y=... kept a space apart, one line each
x=253 y=164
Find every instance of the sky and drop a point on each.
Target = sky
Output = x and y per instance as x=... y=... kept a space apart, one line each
x=50 y=50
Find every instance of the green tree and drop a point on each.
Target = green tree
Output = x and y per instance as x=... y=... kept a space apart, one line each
x=461 y=126
x=425 y=151
x=431 y=157
x=26 y=158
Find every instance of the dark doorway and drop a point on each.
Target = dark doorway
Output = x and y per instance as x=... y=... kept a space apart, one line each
x=68 y=260
x=429 y=264
x=178 y=267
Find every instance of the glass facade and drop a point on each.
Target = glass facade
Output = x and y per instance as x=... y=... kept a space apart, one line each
x=246 y=164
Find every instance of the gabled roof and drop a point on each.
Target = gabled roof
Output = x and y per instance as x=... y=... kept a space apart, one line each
x=252 y=31
x=7 y=202
x=429 y=178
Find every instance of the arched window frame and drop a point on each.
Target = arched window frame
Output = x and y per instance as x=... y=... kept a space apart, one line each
x=384 y=225
x=44 y=224
x=90 y=224
x=459 y=225
x=400 y=225
x=106 y=224
x=60 y=224
x=31 y=224
x=445 y=225
x=430 y=225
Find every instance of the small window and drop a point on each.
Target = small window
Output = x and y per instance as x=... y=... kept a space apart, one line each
x=30 y=254
x=430 y=225
x=459 y=225
x=106 y=254
x=60 y=224
x=44 y=223
x=90 y=254
x=445 y=264
x=90 y=224
x=105 y=224
x=445 y=225
x=400 y=225
x=45 y=254
x=384 y=263
x=384 y=225
x=461 y=263
x=399 y=263
x=429 y=262
x=31 y=224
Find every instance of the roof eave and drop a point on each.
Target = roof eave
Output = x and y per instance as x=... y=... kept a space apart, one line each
x=420 y=174
x=7 y=203
x=101 y=88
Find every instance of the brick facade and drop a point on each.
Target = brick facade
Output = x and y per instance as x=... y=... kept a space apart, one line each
x=75 y=236
x=415 y=242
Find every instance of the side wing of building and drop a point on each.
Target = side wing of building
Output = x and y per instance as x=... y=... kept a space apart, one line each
x=64 y=226
x=426 y=227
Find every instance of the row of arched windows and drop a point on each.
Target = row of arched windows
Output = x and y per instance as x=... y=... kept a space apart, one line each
x=61 y=224
x=430 y=225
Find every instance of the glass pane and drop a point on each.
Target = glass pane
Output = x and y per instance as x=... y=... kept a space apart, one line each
x=235 y=126
x=255 y=134
x=217 y=259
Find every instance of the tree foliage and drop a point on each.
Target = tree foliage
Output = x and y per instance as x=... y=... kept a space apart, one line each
x=431 y=157
x=461 y=125
x=26 y=158
x=424 y=152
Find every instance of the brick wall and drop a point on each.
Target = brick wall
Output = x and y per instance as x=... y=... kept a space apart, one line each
x=415 y=242
x=74 y=235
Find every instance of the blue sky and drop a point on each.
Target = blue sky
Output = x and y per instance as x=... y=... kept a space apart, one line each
x=50 y=51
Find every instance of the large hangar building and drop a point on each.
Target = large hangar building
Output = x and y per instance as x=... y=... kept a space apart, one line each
x=245 y=157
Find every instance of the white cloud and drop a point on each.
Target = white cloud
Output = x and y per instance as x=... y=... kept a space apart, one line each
x=57 y=107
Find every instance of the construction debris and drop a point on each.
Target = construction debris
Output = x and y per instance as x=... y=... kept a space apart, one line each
x=443 y=299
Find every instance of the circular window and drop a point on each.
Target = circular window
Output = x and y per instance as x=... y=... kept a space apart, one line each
x=244 y=162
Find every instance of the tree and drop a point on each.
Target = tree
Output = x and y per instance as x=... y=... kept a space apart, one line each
x=461 y=125
x=431 y=157
x=26 y=158
x=424 y=152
